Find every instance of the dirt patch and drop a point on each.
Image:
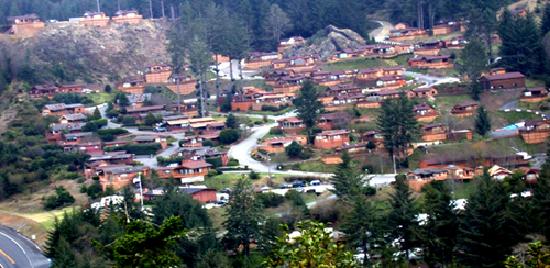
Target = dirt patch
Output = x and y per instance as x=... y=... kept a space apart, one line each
x=25 y=226
x=32 y=202
x=5 y=119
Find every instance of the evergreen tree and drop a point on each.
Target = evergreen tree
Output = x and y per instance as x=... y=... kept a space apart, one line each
x=482 y=122
x=402 y=217
x=361 y=227
x=488 y=229
x=243 y=216
x=173 y=203
x=347 y=183
x=545 y=21
x=475 y=90
x=149 y=119
x=231 y=122
x=308 y=107
x=541 y=199
x=473 y=59
x=521 y=48
x=439 y=234
x=96 y=115
x=276 y=23
x=398 y=124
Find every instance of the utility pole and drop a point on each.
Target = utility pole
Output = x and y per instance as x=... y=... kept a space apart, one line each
x=162 y=8
x=98 y=7
x=420 y=10
x=394 y=166
x=118 y=4
x=173 y=12
x=151 y=8
x=178 y=101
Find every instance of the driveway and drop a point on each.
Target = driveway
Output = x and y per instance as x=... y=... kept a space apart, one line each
x=225 y=71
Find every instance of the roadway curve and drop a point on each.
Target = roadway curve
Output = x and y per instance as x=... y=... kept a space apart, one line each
x=17 y=251
x=379 y=34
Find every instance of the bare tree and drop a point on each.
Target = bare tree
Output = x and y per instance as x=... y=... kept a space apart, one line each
x=277 y=22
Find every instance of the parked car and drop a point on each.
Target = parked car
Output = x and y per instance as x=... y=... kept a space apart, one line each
x=298 y=184
x=315 y=183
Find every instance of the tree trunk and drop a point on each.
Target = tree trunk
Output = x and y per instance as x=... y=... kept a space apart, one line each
x=217 y=78
x=365 y=260
x=240 y=70
x=246 y=248
x=231 y=69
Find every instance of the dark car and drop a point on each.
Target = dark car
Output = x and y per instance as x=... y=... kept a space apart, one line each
x=298 y=184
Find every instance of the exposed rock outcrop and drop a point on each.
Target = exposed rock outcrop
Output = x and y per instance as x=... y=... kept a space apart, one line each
x=329 y=40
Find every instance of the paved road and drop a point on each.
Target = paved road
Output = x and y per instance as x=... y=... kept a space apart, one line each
x=226 y=75
x=432 y=80
x=379 y=34
x=243 y=150
x=17 y=251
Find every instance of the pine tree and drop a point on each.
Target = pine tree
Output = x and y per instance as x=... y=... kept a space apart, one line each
x=545 y=21
x=482 y=122
x=402 y=218
x=439 y=234
x=231 y=121
x=488 y=230
x=361 y=226
x=541 y=199
x=473 y=59
x=308 y=107
x=243 y=216
x=398 y=124
x=96 y=115
x=347 y=182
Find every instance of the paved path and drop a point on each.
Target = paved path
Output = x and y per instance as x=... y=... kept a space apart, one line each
x=17 y=251
x=242 y=151
x=226 y=75
x=432 y=80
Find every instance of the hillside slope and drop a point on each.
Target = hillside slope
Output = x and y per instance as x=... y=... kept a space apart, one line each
x=93 y=53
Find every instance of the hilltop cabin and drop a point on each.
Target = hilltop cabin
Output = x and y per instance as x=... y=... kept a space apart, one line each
x=434 y=133
x=499 y=78
x=448 y=28
x=291 y=125
x=467 y=108
x=277 y=145
x=258 y=60
x=127 y=17
x=99 y=19
x=132 y=85
x=156 y=74
x=422 y=93
x=25 y=25
x=49 y=91
x=61 y=109
x=188 y=171
x=431 y=62
x=424 y=112
x=418 y=178
x=535 y=131
x=538 y=94
x=332 y=139
x=182 y=84
x=404 y=33
x=118 y=177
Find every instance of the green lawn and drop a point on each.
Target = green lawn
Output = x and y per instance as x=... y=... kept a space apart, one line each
x=366 y=63
x=515 y=117
x=534 y=83
x=100 y=97
x=315 y=166
x=228 y=180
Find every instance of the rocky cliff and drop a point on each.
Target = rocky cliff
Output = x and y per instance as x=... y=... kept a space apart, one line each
x=329 y=40
x=95 y=53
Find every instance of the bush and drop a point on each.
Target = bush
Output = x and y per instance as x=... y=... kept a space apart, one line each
x=229 y=136
x=165 y=161
x=212 y=173
x=216 y=162
x=233 y=162
x=270 y=199
x=294 y=150
x=94 y=125
x=253 y=175
x=61 y=198
x=107 y=135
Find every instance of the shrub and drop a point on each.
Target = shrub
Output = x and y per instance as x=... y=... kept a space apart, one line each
x=276 y=131
x=165 y=161
x=270 y=199
x=294 y=150
x=229 y=136
x=216 y=162
x=94 y=125
x=253 y=175
x=233 y=162
x=61 y=198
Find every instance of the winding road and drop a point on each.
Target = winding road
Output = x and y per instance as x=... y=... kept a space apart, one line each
x=379 y=34
x=17 y=251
